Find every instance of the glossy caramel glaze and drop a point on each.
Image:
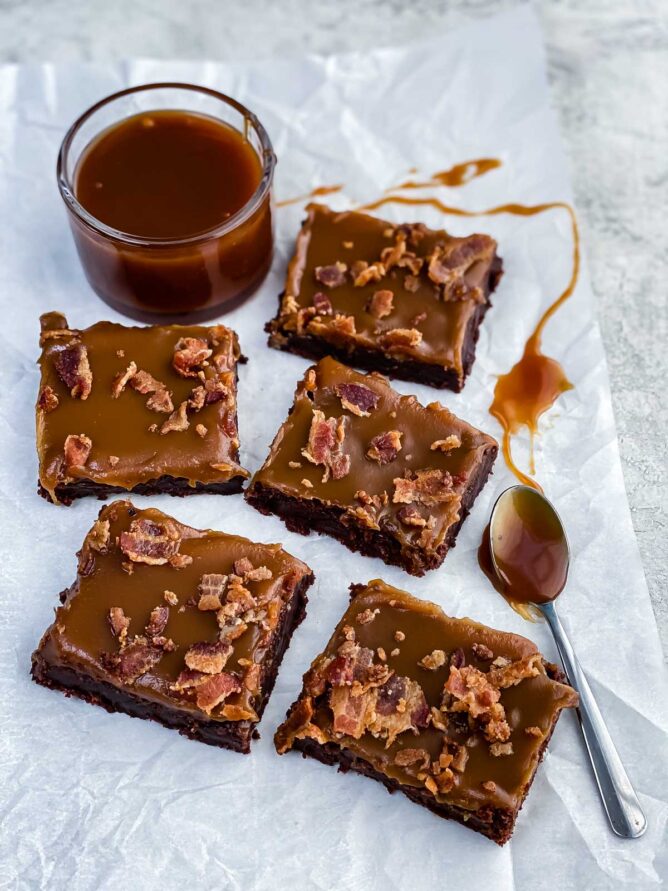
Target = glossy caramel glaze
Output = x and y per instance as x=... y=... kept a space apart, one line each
x=124 y=428
x=287 y=470
x=81 y=634
x=423 y=628
x=529 y=547
x=440 y=324
x=527 y=610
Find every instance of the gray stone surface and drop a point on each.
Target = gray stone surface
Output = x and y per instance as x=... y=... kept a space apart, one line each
x=608 y=68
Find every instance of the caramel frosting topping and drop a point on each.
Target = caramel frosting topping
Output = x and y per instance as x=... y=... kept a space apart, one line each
x=123 y=406
x=389 y=462
x=430 y=701
x=406 y=290
x=173 y=614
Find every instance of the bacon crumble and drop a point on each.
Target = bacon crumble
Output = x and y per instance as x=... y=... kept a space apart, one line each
x=190 y=355
x=324 y=447
x=77 y=449
x=73 y=368
x=385 y=447
x=357 y=398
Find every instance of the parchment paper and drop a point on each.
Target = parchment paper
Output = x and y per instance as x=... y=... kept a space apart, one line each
x=98 y=801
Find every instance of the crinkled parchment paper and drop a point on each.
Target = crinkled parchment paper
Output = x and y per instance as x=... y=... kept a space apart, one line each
x=97 y=801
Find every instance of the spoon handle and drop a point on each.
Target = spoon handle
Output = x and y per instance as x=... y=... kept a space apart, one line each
x=619 y=799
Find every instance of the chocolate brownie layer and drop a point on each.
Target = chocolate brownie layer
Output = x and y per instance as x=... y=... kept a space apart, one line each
x=181 y=626
x=383 y=474
x=403 y=300
x=455 y=715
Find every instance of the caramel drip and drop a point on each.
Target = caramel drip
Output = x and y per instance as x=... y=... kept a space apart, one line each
x=458 y=175
x=534 y=383
x=528 y=611
x=318 y=192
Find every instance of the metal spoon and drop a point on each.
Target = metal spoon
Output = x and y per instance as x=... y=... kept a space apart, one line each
x=530 y=555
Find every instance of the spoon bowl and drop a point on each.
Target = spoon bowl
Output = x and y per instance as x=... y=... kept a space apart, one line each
x=530 y=555
x=528 y=545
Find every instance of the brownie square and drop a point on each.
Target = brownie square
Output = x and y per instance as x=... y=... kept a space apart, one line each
x=380 y=472
x=182 y=626
x=146 y=410
x=404 y=300
x=455 y=715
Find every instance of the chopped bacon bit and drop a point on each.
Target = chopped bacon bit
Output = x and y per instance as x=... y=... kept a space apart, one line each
x=473 y=689
x=209 y=658
x=242 y=566
x=332 y=276
x=157 y=621
x=390 y=256
x=201 y=430
x=113 y=460
x=216 y=689
x=424 y=487
x=152 y=428
x=48 y=400
x=367 y=616
x=451 y=261
x=259 y=574
x=187 y=679
x=382 y=655
x=460 y=757
x=160 y=401
x=144 y=383
x=307 y=483
x=497 y=749
x=211 y=591
x=324 y=446
x=516 y=672
x=252 y=677
x=148 y=541
x=411 y=516
x=190 y=354
x=180 y=561
x=417 y=319
x=341 y=324
x=400 y=338
x=120 y=354
x=395 y=651
x=120 y=381
x=407 y=757
x=381 y=304
x=177 y=421
x=213 y=391
x=399 y=636
x=411 y=283
x=446 y=445
x=98 y=537
x=295 y=465
x=357 y=398
x=533 y=731
x=457 y=657
x=77 y=449
x=119 y=623
x=322 y=303
x=134 y=660
x=385 y=447
x=489 y=786
x=372 y=273
x=289 y=305
x=428 y=534
x=73 y=368
x=434 y=660
x=482 y=652
x=170 y=598
x=348 y=245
